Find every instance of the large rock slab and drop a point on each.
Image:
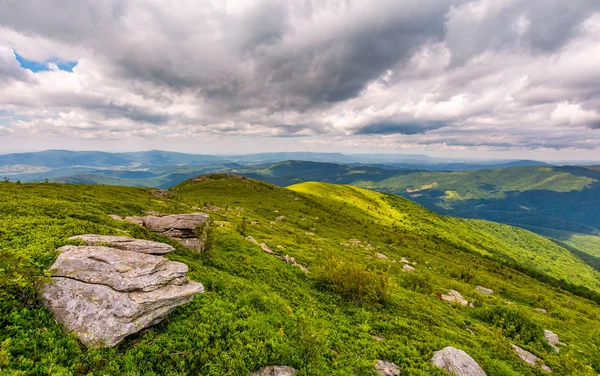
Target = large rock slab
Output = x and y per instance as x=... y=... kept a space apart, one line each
x=275 y=371
x=187 y=229
x=531 y=359
x=104 y=294
x=457 y=362
x=125 y=243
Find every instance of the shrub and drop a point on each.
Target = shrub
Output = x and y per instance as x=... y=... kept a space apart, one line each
x=513 y=324
x=353 y=281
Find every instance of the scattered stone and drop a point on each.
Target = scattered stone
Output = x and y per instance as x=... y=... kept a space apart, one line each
x=472 y=304
x=484 y=290
x=125 y=243
x=385 y=368
x=209 y=207
x=115 y=217
x=303 y=268
x=274 y=371
x=280 y=218
x=310 y=233
x=289 y=260
x=355 y=241
x=553 y=340
x=510 y=303
x=541 y=310
x=381 y=256
x=279 y=246
x=345 y=244
x=183 y=228
x=404 y=260
x=456 y=362
x=104 y=294
x=266 y=248
x=254 y=222
x=377 y=338
x=455 y=297
x=272 y=223
x=161 y=193
x=275 y=211
x=408 y=268
x=530 y=358
x=251 y=240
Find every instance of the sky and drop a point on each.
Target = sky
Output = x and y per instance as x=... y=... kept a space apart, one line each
x=448 y=78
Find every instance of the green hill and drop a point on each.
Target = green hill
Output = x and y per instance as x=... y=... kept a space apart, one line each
x=351 y=309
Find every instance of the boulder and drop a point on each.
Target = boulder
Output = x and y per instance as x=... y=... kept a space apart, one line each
x=183 y=228
x=484 y=290
x=275 y=371
x=454 y=297
x=104 y=294
x=125 y=243
x=531 y=359
x=408 y=268
x=456 y=362
x=385 y=368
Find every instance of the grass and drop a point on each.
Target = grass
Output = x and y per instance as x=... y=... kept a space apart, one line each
x=257 y=310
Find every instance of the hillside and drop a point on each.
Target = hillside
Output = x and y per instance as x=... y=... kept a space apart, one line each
x=351 y=309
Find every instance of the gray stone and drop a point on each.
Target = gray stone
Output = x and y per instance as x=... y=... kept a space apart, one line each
x=552 y=339
x=266 y=248
x=183 y=228
x=541 y=310
x=456 y=362
x=531 y=359
x=484 y=290
x=381 y=256
x=385 y=368
x=115 y=217
x=454 y=297
x=275 y=371
x=104 y=294
x=251 y=240
x=126 y=243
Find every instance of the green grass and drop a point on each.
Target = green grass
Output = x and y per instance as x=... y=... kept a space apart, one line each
x=258 y=310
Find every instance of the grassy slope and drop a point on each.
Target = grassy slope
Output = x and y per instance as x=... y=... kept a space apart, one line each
x=258 y=310
x=495 y=183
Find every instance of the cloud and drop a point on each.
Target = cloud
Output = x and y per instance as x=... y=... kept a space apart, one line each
x=460 y=73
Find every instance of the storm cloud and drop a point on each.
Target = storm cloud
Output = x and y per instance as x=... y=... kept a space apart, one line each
x=344 y=74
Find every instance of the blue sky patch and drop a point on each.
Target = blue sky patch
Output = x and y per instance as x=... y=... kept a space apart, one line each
x=38 y=66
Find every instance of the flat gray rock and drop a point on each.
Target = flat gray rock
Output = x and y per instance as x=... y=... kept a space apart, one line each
x=118 y=269
x=457 y=362
x=275 y=371
x=385 y=368
x=104 y=294
x=126 y=243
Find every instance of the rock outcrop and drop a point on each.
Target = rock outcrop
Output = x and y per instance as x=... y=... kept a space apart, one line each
x=531 y=359
x=456 y=362
x=275 y=371
x=104 y=294
x=385 y=368
x=187 y=229
x=484 y=290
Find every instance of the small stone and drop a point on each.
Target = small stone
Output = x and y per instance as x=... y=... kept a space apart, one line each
x=385 y=368
x=251 y=240
x=381 y=256
x=484 y=290
x=456 y=362
x=531 y=359
x=553 y=340
x=404 y=260
x=274 y=371
x=541 y=310
x=115 y=217
x=280 y=218
x=455 y=297
x=266 y=248
x=408 y=268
